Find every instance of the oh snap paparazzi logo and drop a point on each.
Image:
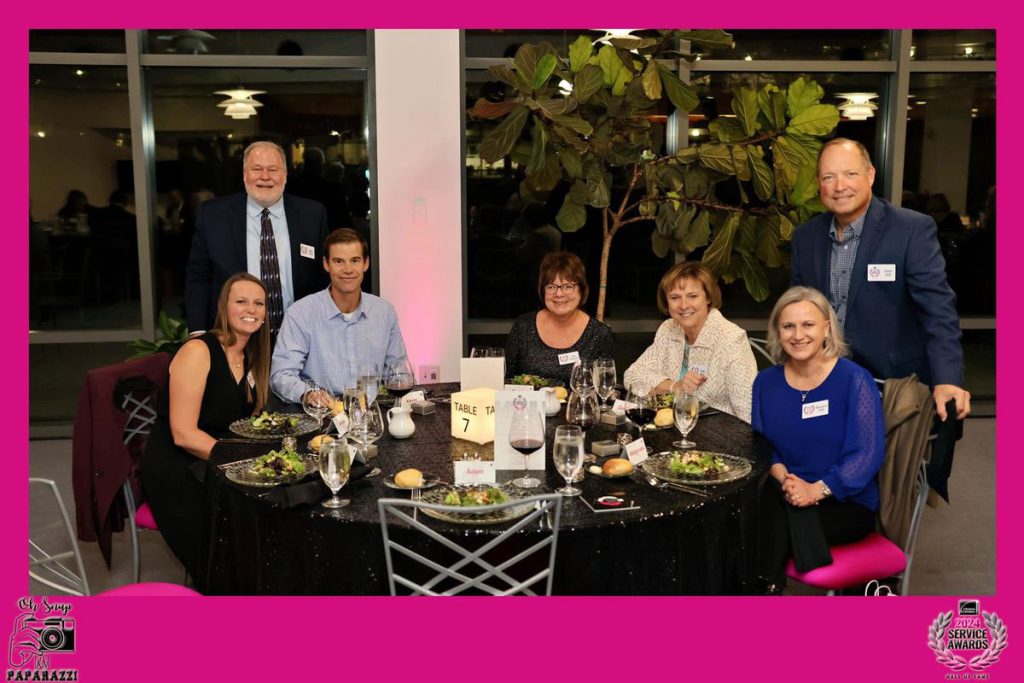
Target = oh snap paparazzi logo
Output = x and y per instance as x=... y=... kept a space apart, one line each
x=969 y=642
x=42 y=630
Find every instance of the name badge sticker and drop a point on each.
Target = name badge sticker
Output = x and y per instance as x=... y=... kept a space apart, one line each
x=816 y=409
x=699 y=369
x=307 y=251
x=881 y=272
x=570 y=358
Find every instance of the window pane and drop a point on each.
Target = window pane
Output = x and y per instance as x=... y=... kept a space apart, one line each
x=950 y=173
x=257 y=42
x=75 y=41
x=794 y=44
x=83 y=244
x=963 y=44
x=508 y=237
x=505 y=42
x=57 y=375
x=199 y=149
x=715 y=90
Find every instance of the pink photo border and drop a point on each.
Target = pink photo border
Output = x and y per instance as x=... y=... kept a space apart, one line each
x=244 y=638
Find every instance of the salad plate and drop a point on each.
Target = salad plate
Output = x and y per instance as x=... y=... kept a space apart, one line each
x=276 y=467
x=274 y=426
x=478 y=498
x=697 y=467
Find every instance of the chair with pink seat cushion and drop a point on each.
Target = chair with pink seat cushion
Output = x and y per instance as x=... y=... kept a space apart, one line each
x=154 y=589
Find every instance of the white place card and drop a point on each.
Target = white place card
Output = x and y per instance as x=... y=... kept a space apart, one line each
x=636 y=451
x=475 y=472
x=620 y=406
x=341 y=423
x=482 y=372
x=411 y=398
x=518 y=387
x=506 y=457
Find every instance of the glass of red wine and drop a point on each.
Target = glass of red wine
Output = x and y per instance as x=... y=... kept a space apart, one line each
x=640 y=406
x=400 y=379
x=526 y=435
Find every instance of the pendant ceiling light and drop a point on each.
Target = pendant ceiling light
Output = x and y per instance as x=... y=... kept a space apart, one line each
x=240 y=103
x=858 y=105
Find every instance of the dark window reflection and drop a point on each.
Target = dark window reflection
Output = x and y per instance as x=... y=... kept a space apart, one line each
x=93 y=41
x=954 y=44
x=255 y=42
x=828 y=44
x=316 y=115
x=83 y=247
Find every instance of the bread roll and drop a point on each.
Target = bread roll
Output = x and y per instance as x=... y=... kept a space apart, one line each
x=337 y=408
x=664 y=418
x=317 y=441
x=561 y=393
x=617 y=467
x=410 y=479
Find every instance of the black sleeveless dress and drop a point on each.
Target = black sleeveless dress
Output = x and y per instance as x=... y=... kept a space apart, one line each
x=172 y=491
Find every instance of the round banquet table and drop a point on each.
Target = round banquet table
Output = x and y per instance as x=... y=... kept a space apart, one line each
x=676 y=543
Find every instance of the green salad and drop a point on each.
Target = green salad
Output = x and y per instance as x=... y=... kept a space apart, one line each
x=274 y=423
x=476 y=497
x=275 y=464
x=536 y=381
x=666 y=400
x=697 y=463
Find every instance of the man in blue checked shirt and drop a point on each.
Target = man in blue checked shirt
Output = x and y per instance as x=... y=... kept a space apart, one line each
x=326 y=335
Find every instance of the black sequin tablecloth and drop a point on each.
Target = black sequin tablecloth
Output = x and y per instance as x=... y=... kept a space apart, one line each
x=675 y=544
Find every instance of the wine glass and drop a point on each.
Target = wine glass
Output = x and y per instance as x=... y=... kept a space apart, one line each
x=335 y=465
x=582 y=410
x=526 y=435
x=368 y=381
x=400 y=379
x=582 y=376
x=639 y=406
x=316 y=401
x=366 y=425
x=686 y=408
x=604 y=378
x=568 y=456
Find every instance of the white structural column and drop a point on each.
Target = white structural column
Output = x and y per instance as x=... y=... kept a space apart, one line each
x=419 y=190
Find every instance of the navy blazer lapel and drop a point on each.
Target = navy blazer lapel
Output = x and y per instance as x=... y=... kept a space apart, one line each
x=239 y=221
x=291 y=214
x=822 y=255
x=874 y=227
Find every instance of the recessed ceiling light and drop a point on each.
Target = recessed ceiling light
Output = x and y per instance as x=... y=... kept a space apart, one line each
x=41 y=134
x=79 y=72
x=921 y=102
x=748 y=58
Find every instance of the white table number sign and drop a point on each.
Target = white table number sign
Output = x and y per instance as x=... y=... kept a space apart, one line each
x=473 y=415
x=506 y=457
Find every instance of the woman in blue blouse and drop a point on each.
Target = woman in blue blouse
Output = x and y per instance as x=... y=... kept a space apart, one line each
x=823 y=415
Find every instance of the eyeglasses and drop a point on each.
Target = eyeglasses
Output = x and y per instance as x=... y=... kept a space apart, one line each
x=564 y=289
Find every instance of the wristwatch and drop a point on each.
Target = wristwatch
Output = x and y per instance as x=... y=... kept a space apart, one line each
x=825 y=490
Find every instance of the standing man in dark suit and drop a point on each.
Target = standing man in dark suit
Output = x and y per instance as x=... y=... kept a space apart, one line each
x=275 y=237
x=882 y=270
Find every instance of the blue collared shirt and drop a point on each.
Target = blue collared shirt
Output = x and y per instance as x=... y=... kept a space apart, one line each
x=318 y=342
x=843 y=258
x=253 y=229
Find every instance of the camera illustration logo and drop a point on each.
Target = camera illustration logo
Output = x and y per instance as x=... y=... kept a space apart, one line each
x=40 y=630
x=969 y=642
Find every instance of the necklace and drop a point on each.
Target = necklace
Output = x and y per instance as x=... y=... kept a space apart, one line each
x=803 y=395
x=227 y=353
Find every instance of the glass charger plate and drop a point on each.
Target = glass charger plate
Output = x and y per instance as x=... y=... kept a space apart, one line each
x=658 y=465
x=243 y=427
x=508 y=514
x=429 y=482
x=242 y=472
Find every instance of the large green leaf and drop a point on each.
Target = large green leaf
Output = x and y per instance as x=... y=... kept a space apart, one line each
x=698 y=234
x=669 y=177
x=503 y=73
x=660 y=244
x=549 y=174
x=665 y=221
x=753 y=276
x=545 y=67
x=526 y=60
x=717 y=157
x=574 y=123
x=696 y=181
x=762 y=175
x=680 y=94
x=498 y=142
x=571 y=138
x=727 y=130
x=571 y=216
x=537 y=149
x=744 y=105
x=682 y=223
x=772 y=104
x=579 y=52
x=598 y=193
x=789 y=158
x=719 y=254
x=652 y=81
x=805 y=188
x=707 y=38
x=688 y=154
x=484 y=109
x=746 y=235
x=801 y=95
x=740 y=163
x=623 y=79
x=768 y=241
x=817 y=119
x=610 y=64
x=571 y=162
x=588 y=81
x=785 y=228
x=633 y=42
x=578 y=192
x=550 y=106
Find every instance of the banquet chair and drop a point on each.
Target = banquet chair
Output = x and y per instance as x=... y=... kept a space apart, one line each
x=50 y=567
x=487 y=569
x=141 y=415
x=760 y=348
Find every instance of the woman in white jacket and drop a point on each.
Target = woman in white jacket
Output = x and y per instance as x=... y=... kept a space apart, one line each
x=697 y=346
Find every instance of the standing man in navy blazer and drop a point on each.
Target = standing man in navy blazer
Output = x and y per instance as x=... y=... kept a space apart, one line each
x=228 y=233
x=882 y=270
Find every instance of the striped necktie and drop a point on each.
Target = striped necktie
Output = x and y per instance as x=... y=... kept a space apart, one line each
x=270 y=273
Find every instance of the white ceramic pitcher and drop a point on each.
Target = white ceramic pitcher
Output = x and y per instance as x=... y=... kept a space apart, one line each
x=400 y=423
